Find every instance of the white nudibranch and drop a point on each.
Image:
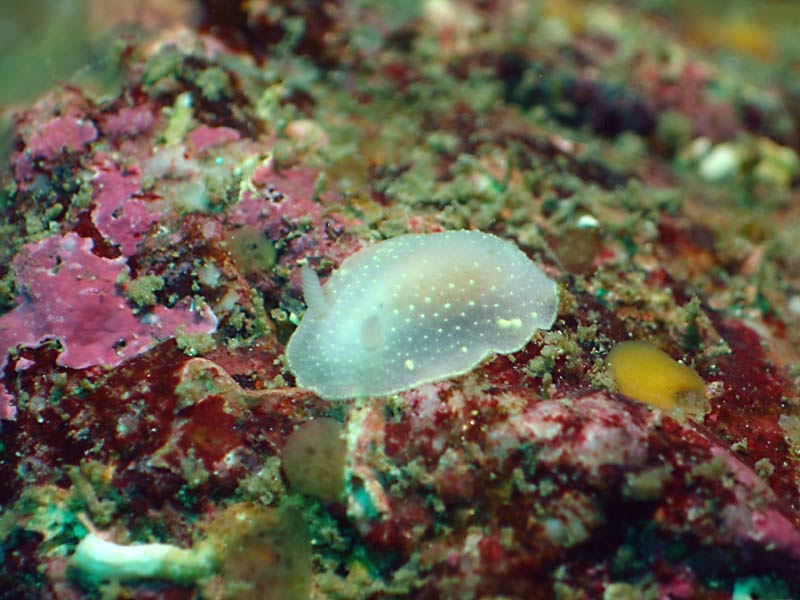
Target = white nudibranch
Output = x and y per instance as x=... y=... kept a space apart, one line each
x=416 y=309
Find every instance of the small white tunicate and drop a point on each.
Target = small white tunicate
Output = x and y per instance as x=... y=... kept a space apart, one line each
x=494 y=300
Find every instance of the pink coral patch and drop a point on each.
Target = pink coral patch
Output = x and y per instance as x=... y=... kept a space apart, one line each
x=288 y=196
x=49 y=140
x=59 y=134
x=207 y=137
x=128 y=122
x=71 y=295
x=121 y=218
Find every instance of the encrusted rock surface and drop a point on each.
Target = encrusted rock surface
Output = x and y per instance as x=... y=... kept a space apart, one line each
x=152 y=242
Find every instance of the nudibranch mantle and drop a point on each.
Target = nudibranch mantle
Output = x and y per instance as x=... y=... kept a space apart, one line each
x=414 y=309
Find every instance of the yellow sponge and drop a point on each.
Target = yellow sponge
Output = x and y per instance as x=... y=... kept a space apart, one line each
x=647 y=374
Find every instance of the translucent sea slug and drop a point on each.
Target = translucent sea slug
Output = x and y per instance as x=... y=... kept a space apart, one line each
x=415 y=309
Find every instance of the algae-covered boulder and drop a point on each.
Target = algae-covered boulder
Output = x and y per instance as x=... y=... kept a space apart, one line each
x=627 y=171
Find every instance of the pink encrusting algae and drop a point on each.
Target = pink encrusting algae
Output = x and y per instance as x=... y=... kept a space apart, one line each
x=120 y=217
x=205 y=137
x=47 y=141
x=71 y=295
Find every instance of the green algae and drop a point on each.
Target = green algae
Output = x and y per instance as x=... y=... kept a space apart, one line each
x=142 y=290
x=195 y=344
x=180 y=120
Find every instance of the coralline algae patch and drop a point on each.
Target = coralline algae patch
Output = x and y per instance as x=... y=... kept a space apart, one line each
x=415 y=309
x=71 y=295
x=122 y=219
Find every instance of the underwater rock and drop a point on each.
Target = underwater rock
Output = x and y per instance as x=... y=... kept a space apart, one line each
x=564 y=473
x=274 y=138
